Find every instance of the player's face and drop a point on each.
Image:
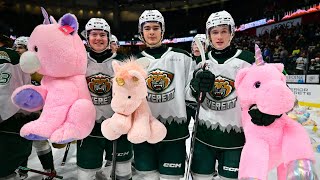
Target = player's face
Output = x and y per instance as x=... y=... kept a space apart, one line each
x=114 y=47
x=151 y=33
x=220 y=37
x=195 y=49
x=20 y=49
x=98 y=40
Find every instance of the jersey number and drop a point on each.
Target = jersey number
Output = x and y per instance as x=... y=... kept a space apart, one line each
x=4 y=78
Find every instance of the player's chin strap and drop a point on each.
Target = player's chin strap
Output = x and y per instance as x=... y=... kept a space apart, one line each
x=194 y=131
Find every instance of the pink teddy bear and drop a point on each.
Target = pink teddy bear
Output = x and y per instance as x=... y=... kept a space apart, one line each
x=57 y=52
x=272 y=138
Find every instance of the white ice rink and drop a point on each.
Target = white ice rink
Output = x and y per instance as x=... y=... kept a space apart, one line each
x=69 y=170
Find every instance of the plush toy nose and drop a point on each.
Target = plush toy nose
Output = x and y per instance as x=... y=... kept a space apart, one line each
x=29 y=62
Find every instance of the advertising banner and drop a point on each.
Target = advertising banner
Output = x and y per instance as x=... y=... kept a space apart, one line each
x=268 y=28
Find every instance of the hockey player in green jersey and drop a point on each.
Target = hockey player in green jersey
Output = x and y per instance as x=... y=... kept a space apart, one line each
x=169 y=73
x=42 y=147
x=14 y=149
x=99 y=74
x=220 y=136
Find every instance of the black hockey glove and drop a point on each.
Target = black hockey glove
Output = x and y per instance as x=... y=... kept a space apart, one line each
x=203 y=81
x=261 y=119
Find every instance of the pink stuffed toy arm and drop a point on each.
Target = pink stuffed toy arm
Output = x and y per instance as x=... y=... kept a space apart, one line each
x=29 y=97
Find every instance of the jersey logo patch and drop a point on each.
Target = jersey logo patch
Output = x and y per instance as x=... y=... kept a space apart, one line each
x=159 y=80
x=223 y=87
x=99 y=84
x=4 y=78
x=4 y=55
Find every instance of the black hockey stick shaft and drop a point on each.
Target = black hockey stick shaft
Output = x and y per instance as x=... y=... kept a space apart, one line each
x=196 y=121
x=114 y=160
x=50 y=174
x=193 y=136
x=65 y=154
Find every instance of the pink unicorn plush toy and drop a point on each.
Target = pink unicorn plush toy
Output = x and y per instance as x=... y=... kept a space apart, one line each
x=57 y=52
x=132 y=114
x=272 y=138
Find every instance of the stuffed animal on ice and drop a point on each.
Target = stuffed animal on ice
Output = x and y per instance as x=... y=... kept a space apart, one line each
x=272 y=138
x=57 y=52
x=132 y=114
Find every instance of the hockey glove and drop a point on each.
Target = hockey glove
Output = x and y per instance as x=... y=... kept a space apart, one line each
x=203 y=81
x=261 y=119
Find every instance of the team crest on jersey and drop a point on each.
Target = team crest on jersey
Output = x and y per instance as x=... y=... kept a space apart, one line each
x=4 y=55
x=223 y=87
x=159 y=80
x=99 y=84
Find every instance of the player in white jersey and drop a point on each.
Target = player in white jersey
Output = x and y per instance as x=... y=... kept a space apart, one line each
x=42 y=147
x=14 y=149
x=114 y=44
x=220 y=135
x=20 y=45
x=99 y=74
x=169 y=73
x=194 y=48
x=195 y=52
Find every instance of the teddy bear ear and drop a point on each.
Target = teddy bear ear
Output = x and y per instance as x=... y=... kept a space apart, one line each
x=240 y=75
x=69 y=23
x=115 y=66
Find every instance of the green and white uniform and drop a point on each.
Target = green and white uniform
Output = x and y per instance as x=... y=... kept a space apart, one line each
x=191 y=106
x=169 y=74
x=91 y=149
x=14 y=149
x=11 y=77
x=219 y=130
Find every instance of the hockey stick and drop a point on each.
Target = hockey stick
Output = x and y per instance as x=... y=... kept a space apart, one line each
x=194 y=131
x=50 y=174
x=65 y=154
x=114 y=160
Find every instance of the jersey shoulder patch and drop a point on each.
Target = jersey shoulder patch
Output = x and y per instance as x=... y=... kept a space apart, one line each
x=9 y=56
x=181 y=51
x=120 y=57
x=139 y=55
x=247 y=56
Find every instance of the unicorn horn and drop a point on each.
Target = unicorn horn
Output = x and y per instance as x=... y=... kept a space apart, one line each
x=258 y=55
x=45 y=16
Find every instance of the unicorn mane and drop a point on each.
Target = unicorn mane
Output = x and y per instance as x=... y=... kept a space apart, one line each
x=129 y=64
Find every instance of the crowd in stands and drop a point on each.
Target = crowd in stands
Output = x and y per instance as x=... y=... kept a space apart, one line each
x=298 y=47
